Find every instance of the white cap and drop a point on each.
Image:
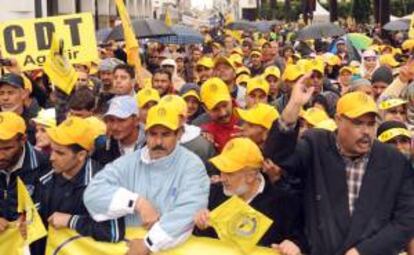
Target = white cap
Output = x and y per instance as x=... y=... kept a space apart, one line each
x=122 y=107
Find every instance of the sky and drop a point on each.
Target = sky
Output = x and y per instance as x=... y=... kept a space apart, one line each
x=199 y=4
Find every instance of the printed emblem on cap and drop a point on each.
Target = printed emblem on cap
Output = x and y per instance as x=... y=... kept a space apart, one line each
x=230 y=146
x=1 y=119
x=213 y=87
x=168 y=98
x=162 y=112
x=68 y=123
x=363 y=98
x=147 y=92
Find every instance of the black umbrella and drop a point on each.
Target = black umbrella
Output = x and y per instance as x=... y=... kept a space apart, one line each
x=148 y=28
x=320 y=30
x=265 y=25
x=244 y=25
x=184 y=35
x=102 y=34
x=397 y=25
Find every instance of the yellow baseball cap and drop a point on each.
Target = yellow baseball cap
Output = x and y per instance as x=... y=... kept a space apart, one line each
x=214 y=91
x=73 y=130
x=163 y=116
x=46 y=117
x=206 y=62
x=272 y=70
x=174 y=102
x=331 y=59
x=348 y=69
x=146 y=95
x=388 y=59
x=316 y=65
x=328 y=124
x=261 y=114
x=255 y=53
x=391 y=103
x=242 y=70
x=238 y=154
x=356 y=104
x=408 y=44
x=99 y=127
x=236 y=59
x=11 y=124
x=227 y=61
x=237 y=50
x=314 y=115
x=257 y=83
x=243 y=78
x=292 y=73
x=191 y=93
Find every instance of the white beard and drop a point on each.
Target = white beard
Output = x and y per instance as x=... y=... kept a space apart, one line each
x=242 y=189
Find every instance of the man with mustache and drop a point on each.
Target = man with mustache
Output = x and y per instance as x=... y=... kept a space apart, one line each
x=159 y=187
x=359 y=193
x=18 y=158
x=218 y=104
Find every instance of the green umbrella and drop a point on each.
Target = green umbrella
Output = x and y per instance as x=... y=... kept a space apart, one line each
x=359 y=41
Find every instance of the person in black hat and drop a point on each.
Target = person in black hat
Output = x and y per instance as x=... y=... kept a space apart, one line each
x=12 y=97
x=381 y=79
x=396 y=134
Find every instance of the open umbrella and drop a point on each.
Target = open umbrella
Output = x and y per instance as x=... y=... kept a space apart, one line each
x=148 y=28
x=244 y=25
x=397 y=25
x=359 y=41
x=102 y=34
x=320 y=30
x=265 y=25
x=183 y=35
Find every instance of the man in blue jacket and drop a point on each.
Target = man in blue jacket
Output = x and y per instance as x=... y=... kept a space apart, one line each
x=159 y=187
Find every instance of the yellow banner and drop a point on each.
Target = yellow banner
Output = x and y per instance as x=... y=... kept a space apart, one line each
x=29 y=40
x=68 y=242
x=411 y=30
x=11 y=242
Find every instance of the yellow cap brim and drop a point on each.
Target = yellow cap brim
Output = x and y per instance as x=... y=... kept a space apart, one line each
x=359 y=112
x=162 y=122
x=226 y=165
x=216 y=100
x=191 y=93
x=7 y=134
x=59 y=138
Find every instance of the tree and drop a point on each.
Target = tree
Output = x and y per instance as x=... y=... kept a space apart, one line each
x=382 y=11
x=333 y=10
x=361 y=10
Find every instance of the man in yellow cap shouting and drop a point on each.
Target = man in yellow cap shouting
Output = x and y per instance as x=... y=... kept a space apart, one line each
x=18 y=158
x=60 y=191
x=159 y=187
x=239 y=164
x=359 y=193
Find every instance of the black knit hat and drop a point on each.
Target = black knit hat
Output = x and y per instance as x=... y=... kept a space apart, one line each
x=382 y=74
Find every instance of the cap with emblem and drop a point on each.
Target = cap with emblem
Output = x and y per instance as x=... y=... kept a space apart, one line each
x=272 y=70
x=174 y=102
x=356 y=104
x=73 y=130
x=146 y=95
x=391 y=103
x=214 y=91
x=389 y=130
x=11 y=124
x=12 y=79
x=224 y=60
x=206 y=62
x=122 y=107
x=238 y=154
x=292 y=73
x=257 y=83
x=261 y=114
x=163 y=116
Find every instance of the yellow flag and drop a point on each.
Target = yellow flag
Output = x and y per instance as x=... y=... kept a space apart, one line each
x=411 y=31
x=11 y=242
x=168 y=21
x=131 y=43
x=68 y=242
x=238 y=223
x=57 y=67
x=35 y=227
